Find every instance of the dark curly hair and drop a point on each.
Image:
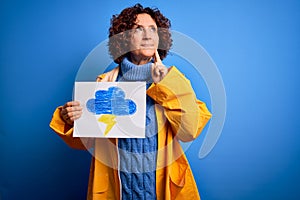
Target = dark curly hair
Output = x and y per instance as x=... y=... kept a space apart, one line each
x=119 y=33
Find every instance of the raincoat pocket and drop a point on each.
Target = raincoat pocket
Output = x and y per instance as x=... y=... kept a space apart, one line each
x=177 y=178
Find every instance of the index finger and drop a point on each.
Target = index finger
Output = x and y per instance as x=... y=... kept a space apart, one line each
x=71 y=103
x=157 y=58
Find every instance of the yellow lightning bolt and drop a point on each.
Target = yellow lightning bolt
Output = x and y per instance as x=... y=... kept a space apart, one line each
x=109 y=120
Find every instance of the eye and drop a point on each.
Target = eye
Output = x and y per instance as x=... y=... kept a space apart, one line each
x=139 y=29
x=153 y=29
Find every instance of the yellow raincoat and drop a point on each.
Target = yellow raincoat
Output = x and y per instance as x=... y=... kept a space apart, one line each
x=180 y=116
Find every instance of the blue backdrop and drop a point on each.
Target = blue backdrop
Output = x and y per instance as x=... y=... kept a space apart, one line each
x=255 y=45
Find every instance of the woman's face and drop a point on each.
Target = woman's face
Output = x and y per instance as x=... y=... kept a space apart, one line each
x=144 y=39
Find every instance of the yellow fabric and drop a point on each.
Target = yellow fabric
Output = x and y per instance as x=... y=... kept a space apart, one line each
x=180 y=116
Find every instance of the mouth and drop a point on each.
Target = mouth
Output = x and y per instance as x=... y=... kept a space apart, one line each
x=147 y=45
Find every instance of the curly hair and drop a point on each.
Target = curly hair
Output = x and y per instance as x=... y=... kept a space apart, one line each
x=119 y=33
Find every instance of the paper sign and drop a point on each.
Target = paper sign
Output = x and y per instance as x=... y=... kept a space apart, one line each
x=111 y=109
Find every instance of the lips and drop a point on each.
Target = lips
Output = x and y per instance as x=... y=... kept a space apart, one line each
x=147 y=45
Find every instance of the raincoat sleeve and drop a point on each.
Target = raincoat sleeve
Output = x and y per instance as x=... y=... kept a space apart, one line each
x=65 y=131
x=183 y=111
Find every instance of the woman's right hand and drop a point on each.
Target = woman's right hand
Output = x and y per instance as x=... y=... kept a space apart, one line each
x=158 y=70
x=71 y=111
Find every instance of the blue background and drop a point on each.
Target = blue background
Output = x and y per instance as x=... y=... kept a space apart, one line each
x=255 y=45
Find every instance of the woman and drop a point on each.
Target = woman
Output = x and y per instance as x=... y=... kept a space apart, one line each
x=154 y=167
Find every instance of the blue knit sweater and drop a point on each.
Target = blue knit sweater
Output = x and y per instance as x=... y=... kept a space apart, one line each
x=138 y=155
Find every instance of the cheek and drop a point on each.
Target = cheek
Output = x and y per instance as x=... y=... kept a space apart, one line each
x=156 y=40
x=135 y=40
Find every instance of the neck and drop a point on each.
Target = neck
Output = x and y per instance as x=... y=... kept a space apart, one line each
x=133 y=72
x=139 y=60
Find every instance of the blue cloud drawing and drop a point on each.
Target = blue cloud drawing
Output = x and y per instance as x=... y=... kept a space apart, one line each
x=111 y=101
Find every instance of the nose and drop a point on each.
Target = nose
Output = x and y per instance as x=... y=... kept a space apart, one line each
x=147 y=34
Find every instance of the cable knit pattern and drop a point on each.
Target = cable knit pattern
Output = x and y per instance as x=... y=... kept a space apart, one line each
x=132 y=72
x=138 y=155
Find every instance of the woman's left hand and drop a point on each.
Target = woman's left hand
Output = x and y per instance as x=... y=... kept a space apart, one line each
x=159 y=70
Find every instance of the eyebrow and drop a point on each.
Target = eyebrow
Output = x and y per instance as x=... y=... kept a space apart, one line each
x=139 y=25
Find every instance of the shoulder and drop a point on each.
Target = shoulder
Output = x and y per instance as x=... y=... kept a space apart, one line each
x=110 y=76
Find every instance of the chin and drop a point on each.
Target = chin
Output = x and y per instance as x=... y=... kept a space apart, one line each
x=147 y=52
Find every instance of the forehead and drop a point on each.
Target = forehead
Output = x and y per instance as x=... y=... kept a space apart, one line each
x=144 y=20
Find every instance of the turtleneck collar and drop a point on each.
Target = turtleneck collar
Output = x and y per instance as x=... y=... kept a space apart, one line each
x=133 y=72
